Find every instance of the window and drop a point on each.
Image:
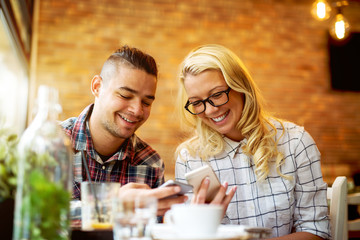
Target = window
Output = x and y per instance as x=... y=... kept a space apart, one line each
x=15 y=36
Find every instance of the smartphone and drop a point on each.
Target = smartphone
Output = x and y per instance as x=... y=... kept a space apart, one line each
x=196 y=176
x=185 y=188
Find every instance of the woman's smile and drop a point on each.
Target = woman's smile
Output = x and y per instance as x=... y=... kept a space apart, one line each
x=220 y=118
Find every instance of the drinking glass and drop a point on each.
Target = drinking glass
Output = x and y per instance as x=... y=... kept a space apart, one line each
x=96 y=198
x=134 y=219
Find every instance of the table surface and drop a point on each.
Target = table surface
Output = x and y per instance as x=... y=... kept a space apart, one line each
x=78 y=234
x=163 y=231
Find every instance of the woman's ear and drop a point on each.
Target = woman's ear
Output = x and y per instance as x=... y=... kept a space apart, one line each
x=96 y=84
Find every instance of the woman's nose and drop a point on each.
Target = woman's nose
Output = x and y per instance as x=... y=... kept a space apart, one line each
x=209 y=108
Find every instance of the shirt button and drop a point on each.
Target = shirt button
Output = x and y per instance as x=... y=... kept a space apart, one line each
x=103 y=167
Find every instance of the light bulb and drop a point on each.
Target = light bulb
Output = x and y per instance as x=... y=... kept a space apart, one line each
x=340 y=27
x=321 y=10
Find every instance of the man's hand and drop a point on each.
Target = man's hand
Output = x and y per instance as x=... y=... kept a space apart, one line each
x=130 y=191
x=221 y=197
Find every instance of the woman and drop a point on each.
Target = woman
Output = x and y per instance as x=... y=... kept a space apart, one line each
x=275 y=165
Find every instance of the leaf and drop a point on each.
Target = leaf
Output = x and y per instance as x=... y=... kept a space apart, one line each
x=12 y=138
x=47 y=222
x=3 y=149
x=8 y=163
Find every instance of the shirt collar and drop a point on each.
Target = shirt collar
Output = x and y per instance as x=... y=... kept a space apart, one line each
x=232 y=147
x=83 y=141
x=81 y=133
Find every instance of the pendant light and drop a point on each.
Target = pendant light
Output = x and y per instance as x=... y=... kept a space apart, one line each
x=321 y=10
x=339 y=28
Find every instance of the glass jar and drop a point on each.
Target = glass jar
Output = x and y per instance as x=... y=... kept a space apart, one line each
x=44 y=179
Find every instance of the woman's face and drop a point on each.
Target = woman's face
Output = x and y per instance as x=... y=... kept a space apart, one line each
x=223 y=118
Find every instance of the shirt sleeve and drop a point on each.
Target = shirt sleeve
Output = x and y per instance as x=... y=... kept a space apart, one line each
x=160 y=177
x=147 y=166
x=181 y=167
x=150 y=172
x=311 y=213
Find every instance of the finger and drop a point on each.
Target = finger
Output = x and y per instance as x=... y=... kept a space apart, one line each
x=161 y=212
x=200 y=196
x=133 y=185
x=218 y=199
x=166 y=203
x=163 y=192
x=229 y=196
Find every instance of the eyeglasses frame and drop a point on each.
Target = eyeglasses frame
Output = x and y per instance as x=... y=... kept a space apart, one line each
x=209 y=101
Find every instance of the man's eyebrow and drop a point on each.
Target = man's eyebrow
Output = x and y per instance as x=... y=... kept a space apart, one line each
x=136 y=92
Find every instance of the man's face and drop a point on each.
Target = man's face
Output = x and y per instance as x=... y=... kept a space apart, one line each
x=124 y=101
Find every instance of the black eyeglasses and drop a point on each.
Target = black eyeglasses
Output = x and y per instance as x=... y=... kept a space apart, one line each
x=217 y=99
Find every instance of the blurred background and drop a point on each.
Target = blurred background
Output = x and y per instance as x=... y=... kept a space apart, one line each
x=306 y=75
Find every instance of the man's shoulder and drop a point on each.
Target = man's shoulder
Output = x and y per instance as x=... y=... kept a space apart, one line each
x=140 y=145
x=68 y=125
x=145 y=152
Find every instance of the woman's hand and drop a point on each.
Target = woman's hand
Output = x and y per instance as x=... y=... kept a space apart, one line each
x=221 y=198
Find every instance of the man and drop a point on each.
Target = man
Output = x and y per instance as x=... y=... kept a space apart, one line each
x=103 y=136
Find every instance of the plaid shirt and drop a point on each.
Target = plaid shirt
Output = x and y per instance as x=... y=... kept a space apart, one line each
x=286 y=206
x=135 y=161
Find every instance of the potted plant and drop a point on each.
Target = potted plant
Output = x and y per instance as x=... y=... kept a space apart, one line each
x=8 y=169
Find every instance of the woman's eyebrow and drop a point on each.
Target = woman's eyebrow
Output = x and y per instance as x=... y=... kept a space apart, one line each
x=211 y=92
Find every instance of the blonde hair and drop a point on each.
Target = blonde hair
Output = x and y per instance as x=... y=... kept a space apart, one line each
x=254 y=122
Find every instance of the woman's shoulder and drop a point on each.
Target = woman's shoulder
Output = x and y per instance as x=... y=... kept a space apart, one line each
x=290 y=131
x=183 y=151
x=287 y=126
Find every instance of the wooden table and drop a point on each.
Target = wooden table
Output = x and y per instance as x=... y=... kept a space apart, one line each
x=78 y=234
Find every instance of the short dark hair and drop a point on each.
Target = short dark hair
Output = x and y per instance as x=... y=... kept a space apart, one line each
x=137 y=58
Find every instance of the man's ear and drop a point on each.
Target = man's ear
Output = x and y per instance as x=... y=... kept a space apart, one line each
x=96 y=84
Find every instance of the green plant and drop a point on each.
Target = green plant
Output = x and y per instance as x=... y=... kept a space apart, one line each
x=42 y=212
x=45 y=205
x=8 y=163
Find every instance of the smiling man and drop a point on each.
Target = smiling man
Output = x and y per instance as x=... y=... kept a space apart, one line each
x=104 y=133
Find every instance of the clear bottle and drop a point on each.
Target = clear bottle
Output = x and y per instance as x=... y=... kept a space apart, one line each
x=44 y=179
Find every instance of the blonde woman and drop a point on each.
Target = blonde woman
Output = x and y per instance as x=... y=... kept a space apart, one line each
x=271 y=166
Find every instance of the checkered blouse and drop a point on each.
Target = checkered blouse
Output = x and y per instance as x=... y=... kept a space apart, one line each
x=284 y=205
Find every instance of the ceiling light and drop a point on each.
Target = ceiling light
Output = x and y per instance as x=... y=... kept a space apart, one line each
x=321 y=10
x=340 y=27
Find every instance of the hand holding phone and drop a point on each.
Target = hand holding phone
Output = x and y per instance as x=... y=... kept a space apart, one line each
x=196 y=177
x=184 y=187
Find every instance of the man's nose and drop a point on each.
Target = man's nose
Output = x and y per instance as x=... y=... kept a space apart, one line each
x=136 y=107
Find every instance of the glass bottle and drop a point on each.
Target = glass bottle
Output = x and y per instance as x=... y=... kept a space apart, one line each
x=44 y=179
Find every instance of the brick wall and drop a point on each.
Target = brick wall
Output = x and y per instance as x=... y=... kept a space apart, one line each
x=283 y=46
